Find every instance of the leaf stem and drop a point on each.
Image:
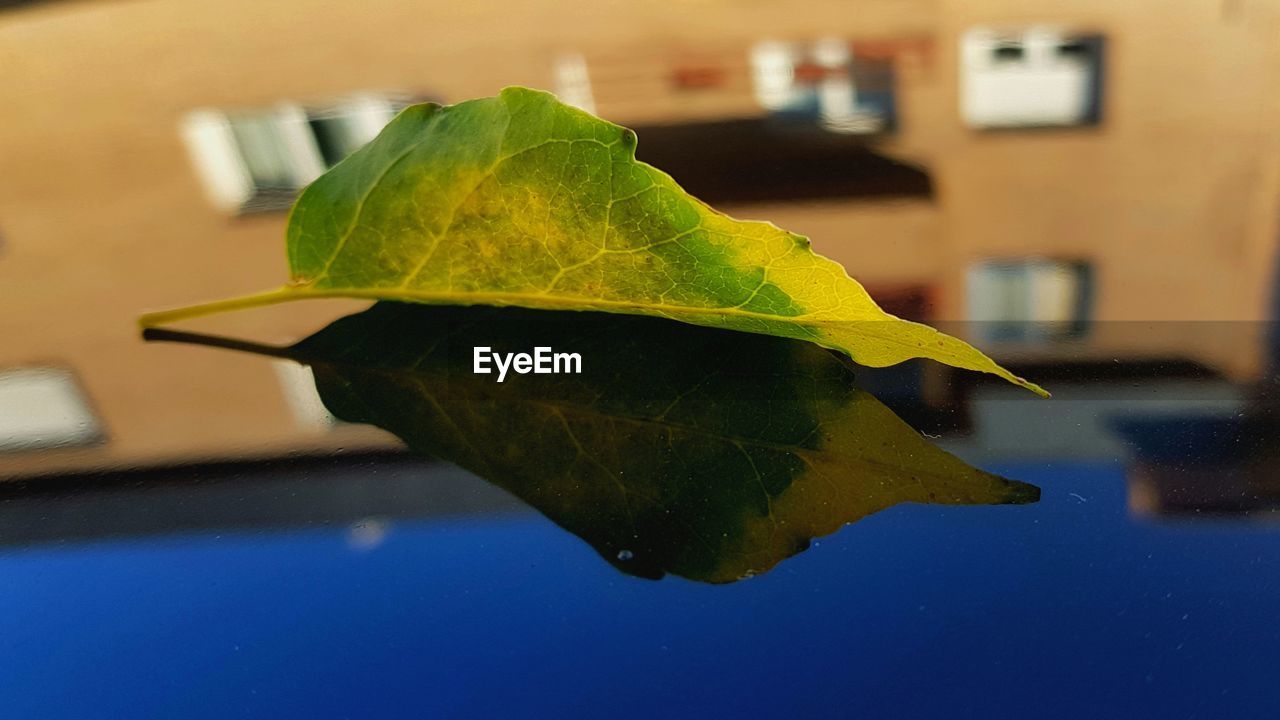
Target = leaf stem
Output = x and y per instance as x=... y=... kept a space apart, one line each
x=217 y=341
x=244 y=302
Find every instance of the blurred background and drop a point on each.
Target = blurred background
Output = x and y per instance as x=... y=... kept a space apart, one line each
x=1088 y=190
x=1077 y=184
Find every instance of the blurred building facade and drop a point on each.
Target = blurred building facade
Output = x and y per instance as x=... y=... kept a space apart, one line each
x=1095 y=165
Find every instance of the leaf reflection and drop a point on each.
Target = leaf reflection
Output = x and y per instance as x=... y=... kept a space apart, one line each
x=704 y=453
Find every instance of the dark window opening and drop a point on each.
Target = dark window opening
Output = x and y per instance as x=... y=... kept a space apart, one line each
x=1008 y=52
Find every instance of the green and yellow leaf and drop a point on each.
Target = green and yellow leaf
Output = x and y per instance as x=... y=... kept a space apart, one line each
x=521 y=200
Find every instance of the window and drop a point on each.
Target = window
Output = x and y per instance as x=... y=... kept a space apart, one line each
x=1039 y=77
x=257 y=160
x=826 y=81
x=1030 y=300
x=43 y=408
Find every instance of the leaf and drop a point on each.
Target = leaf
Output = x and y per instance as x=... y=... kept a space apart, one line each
x=709 y=454
x=521 y=200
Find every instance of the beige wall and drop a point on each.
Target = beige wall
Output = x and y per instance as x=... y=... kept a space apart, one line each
x=1174 y=198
